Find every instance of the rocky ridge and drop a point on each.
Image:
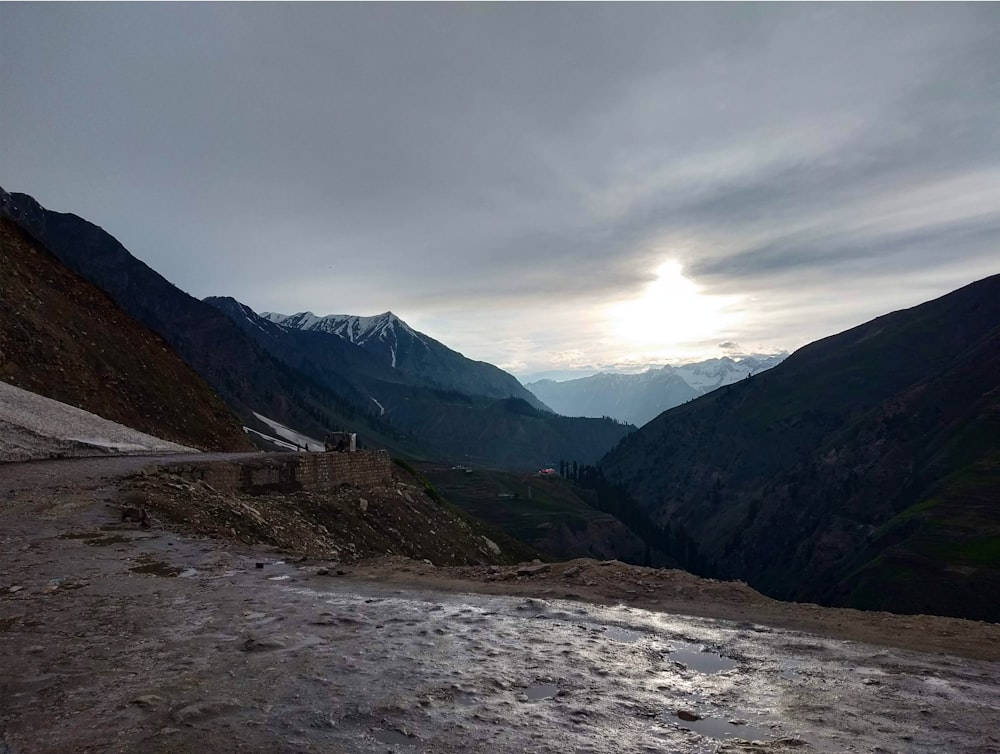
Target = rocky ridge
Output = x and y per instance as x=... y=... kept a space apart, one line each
x=343 y=525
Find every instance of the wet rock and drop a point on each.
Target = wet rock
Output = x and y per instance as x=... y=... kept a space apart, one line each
x=147 y=700
x=323 y=572
x=201 y=710
x=262 y=645
x=688 y=715
x=532 y=570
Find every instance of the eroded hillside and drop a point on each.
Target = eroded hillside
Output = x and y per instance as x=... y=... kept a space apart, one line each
x=62 y=337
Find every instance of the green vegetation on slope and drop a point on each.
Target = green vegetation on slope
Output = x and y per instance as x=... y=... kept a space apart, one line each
x=546 y=512
x=860 y=471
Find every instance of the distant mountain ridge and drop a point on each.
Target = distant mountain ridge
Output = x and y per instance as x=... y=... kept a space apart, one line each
x=468 y=426
x=864 y=470
x=434 y=403
x=353 y=328
x=393 y=342
x=638 y=398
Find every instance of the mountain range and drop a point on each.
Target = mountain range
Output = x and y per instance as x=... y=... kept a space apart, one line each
x=418 y=397
x=394 y=343
x=246 y=377
x=638 y=398
x=433 y=403
x=864 y=470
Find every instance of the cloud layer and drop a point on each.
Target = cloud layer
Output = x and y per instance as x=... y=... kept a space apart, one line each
x=508 y=177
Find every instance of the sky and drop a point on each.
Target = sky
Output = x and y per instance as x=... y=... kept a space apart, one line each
x=554 y=188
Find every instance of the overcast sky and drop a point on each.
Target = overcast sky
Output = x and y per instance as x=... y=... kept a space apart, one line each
x=546 y=187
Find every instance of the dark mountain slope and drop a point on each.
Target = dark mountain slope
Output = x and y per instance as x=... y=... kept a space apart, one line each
x=864 y=470
x=507 y=433
x=315 y=353
x=248 y=378
x=545 y=511
x=63 y=338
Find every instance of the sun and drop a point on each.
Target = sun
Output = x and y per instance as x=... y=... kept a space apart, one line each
x=672 y=311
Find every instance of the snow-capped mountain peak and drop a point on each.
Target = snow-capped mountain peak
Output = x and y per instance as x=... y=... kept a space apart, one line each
x=637 y=398
x=356 y=329
x=393 y=342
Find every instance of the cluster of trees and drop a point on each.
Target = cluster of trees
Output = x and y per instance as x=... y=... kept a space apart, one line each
x=670 y=539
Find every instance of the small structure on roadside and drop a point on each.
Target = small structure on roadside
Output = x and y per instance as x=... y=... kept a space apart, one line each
x=341 y=442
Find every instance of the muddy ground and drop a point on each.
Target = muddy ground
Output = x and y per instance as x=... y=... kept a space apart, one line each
x=119 y=638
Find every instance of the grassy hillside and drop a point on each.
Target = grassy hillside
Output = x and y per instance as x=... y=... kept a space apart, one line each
x=547 y=512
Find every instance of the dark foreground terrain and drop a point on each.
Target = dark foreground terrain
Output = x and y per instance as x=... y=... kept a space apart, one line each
x=119 y=638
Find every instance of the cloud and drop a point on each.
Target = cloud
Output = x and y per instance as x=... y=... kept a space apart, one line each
x=502 y=176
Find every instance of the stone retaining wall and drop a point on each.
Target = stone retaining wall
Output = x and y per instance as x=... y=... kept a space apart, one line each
x=288 y=472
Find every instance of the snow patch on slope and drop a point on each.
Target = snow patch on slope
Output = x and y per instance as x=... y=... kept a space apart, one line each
x=297 y=439
x=34 y=427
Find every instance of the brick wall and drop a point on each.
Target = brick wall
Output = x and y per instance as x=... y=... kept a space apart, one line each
x=287 y=472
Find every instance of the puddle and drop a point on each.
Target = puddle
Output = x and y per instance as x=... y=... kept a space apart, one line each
x=395 y=737
x=703 y=662
x=465 y=699
x=790 y=670
x=714 y=727
x=156 y=568
x=105 y=541
x=541 y=691
x=80 y=535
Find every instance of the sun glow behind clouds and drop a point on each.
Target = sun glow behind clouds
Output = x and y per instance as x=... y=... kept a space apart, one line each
x=671 y=312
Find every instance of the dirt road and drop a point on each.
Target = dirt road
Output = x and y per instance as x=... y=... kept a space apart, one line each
x=114 y=638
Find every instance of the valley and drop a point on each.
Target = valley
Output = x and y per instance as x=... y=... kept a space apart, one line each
x=529 y=378
x=860 y=472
